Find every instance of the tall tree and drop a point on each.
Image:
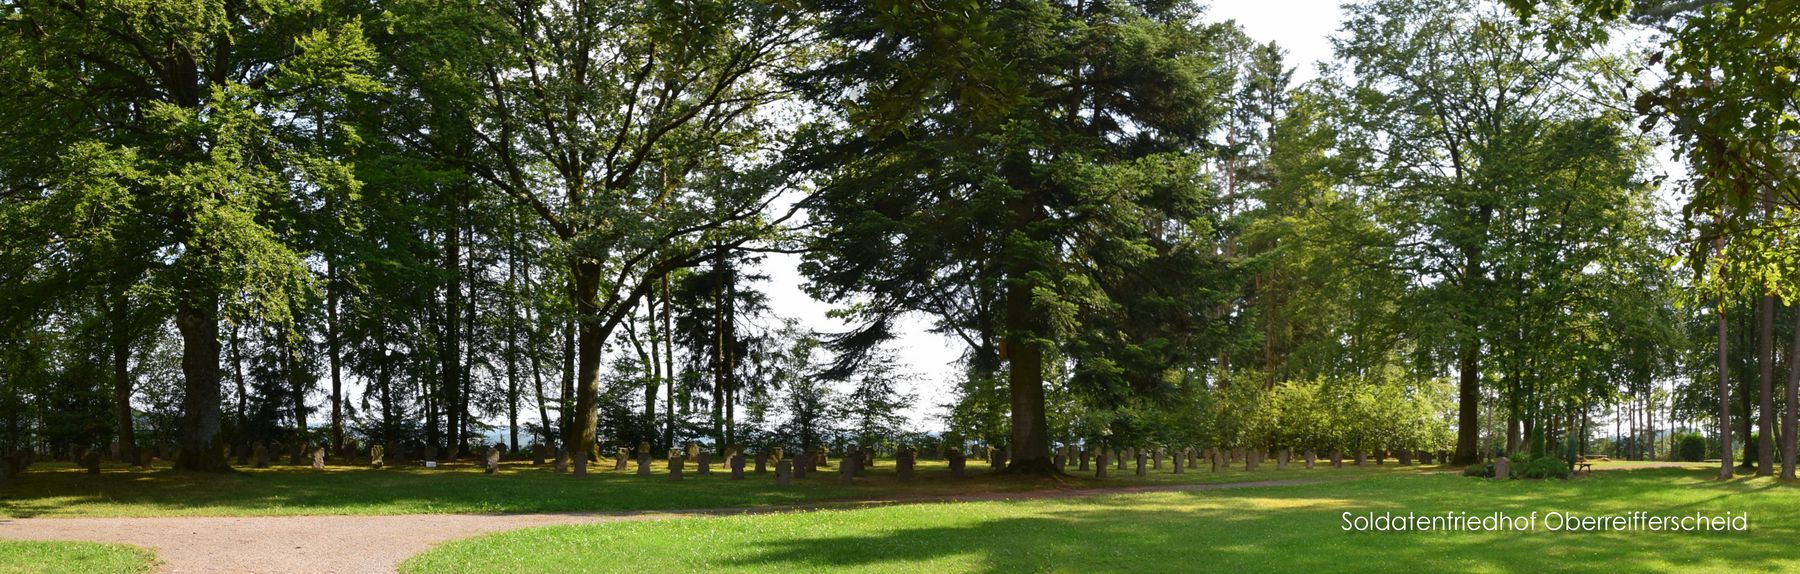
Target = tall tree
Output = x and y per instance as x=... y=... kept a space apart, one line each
x=1040 y=147
x=200 y=99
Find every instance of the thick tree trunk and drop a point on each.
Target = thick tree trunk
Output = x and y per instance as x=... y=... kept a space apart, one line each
x=1025 y=379
x=587 y=346
x=197 y=319
x=1468 y=429
x=119 y=319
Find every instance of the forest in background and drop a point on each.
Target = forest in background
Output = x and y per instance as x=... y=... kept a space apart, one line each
x=217 y=215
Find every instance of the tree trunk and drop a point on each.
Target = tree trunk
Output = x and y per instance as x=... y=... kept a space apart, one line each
x=587 y=345
x=1789 y=417
x=334 y=350
x=1724 y=382
x=1025 y=379
x=450 y=351
x=1765 y=358
x=119 y=319
x=1468 y=430
x=197 y=318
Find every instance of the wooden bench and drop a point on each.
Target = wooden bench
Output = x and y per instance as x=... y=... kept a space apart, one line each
x=1581 y=467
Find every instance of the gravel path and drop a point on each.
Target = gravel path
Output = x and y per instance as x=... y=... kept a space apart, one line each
x=347 y=544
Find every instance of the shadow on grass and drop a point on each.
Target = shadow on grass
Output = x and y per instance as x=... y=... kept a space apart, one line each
x=62 y=490
x=1298 y=529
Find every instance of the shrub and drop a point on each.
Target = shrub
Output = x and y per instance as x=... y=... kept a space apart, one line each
x=1481 y=470
x=1546 y=467
x=1691 y=447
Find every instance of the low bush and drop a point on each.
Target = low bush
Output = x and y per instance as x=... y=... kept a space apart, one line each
x=1546 y=467
x=1691 y=447
x=1479 y=470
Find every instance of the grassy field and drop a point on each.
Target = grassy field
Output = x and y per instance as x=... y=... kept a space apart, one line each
x=61 y=490
x=85 y=557
x=1272 y=529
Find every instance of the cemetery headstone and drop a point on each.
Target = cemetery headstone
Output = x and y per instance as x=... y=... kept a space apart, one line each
x=675 y=464
x=762 y=462
x=1281 y=461
x=1424 y=457
x=1361 y=457
x=262 y=455
x=491 y=462
x=1140 y=463
x=1000 y=459
x=1085 y=455
x=1178 y=468
x=1156 y=459
x=1118 y=458
x=1100 y=469
x=539 y=452
x=1405 y=456
x=562 y=460
x=1502 y=468
x=1312 y=456
x=377 y=458
x=958 y=462
x=1060 y=460
x=703 y=466
x=802 y=465
x=737 y=465
x=1337 y=458
x=643 y=467
x=784 y=472
x=90 y=462
x=847 y=470
x=1253 y=457
x=318 y=458
x=903 y=464
x=1215 y=457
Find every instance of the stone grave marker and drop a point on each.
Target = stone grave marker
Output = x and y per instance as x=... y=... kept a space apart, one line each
x=958 y=462
x=1085 y=455
x=1156 y=457
x=1502 y=468
x=784 y=472
x=1140 y=463
x=562 y=460
x=1100 y=469
x=643 y=463
x=1000 y=458
x=318 y=458
x=675 y=464
x=903 y=463
x=1312 y=456
x=262 y=455
x=762 y=462
x=90 y=462
x=377 y=458
x=491 y=462
x=703 y=465
x=737 y=465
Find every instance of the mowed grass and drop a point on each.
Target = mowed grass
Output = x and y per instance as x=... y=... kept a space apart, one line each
x=62 y=490
x=20 y=557
x=1261 y=529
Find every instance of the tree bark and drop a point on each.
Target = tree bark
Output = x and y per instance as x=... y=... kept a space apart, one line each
x=1468 y=429
x=334 y=349
x=587 y=352
x=450 y=359
x=1765 y=360
x=1790 y=417
x=197 y=319
x=119 y=319
x=1724 y=380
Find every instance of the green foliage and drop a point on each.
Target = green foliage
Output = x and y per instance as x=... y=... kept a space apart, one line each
x=1690 y=447
x=1549 y=466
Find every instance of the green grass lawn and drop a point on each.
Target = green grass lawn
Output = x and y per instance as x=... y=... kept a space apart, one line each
x=1269 y=529
x=61 y=490
x=22 y=557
